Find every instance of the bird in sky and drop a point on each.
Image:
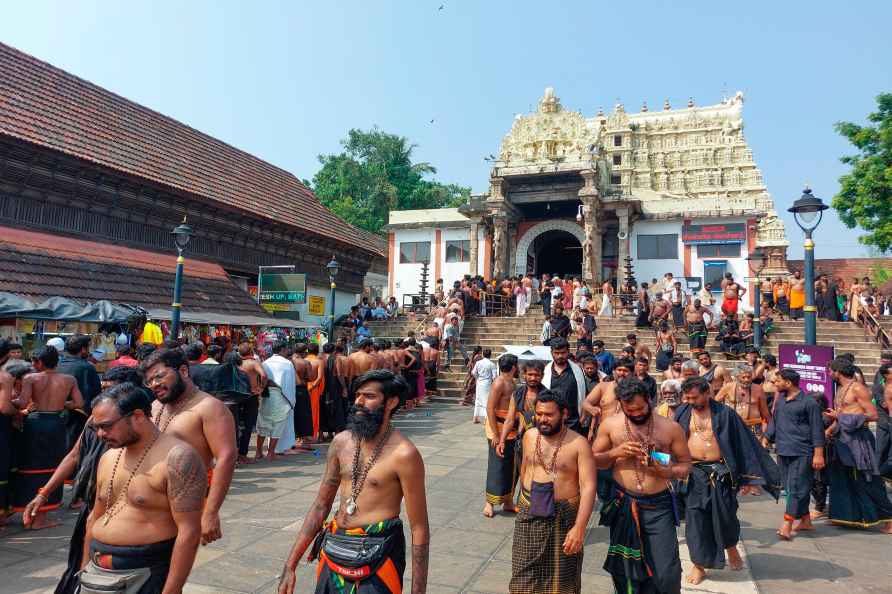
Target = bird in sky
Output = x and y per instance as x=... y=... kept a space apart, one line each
x=442 y=6
x=431 y=121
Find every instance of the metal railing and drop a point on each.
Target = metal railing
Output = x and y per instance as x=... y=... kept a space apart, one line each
x=873 y=329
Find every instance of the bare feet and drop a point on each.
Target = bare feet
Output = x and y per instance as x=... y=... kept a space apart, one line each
x=734 y=560
x=487 y=510
x=887 y=528
x=754 y=490
x=805 y=525
x=272 y=456
x=258 y=457
x=509 y=508
x=41 y=521
x=476 y=421
x=76 y=504
x=246 y=460
x=818 y=515
x=697 y=575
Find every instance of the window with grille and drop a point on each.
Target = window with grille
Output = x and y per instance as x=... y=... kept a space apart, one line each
x=719 y=250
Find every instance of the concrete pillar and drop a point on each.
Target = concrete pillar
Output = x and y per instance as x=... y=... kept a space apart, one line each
x=473 y=250
x=591 y=247
x=499 y=246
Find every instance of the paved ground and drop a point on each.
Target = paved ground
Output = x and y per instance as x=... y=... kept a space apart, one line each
x=469 y=553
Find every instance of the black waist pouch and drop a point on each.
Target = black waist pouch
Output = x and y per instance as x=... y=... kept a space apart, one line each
x=542 y=500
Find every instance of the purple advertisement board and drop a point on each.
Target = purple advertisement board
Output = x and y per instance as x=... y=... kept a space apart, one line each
x=812 y=363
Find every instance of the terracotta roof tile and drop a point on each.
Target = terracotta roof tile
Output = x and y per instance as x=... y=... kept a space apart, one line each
x=47 y=106
x=38 y=266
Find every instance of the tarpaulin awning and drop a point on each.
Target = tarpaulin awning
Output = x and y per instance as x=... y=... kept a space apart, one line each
x=60 y=308
x=232 y=320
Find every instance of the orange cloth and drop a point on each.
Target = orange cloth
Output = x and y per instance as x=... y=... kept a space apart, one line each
x=797 y=299
x=501 y=416
x=316 y=388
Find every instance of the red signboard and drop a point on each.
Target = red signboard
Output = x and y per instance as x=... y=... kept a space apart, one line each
x=714 y=233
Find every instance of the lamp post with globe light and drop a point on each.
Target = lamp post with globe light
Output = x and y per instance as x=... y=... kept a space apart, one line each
x=333 y=267
x=808 y=212
x=181 y=235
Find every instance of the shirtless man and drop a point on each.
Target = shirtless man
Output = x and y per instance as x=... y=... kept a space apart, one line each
x=390 y=469
x=601 y=402
x=549 y=549
x=696 y=324
x=500 y=477
x=361 y=360
x=732 y=292
x=855 y=499
x=8 y=412
x=674 y=371
x=660 y=311
x=797 y=295
x=715 y=374
x=430 y=359
x=44 y=398
x=748 y=401
x=199 y=419
x=257 y=380
x=641 y=350
x=150 y=488
x=645 y=451
x=303 y=409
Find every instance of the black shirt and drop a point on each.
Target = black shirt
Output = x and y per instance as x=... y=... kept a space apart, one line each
x=565 y=384
x=88 y=382
x=651 y=384
x=797 y=425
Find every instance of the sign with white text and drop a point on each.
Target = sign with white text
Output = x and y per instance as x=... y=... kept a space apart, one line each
x=812 y=363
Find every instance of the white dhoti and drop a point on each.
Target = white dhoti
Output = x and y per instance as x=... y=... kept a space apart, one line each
x=274 y=416
x=481 y=398
x=606 y=307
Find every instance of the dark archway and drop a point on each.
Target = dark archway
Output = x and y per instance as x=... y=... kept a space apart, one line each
x=558 y=252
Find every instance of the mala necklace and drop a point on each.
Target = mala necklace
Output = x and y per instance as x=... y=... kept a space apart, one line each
x=700 y=430
x=359 y=476
x=552 y=470
x=113 y=508
x=749 y=399
x=171 y=417
x=647 y=447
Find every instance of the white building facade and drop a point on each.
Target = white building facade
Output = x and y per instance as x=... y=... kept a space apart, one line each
x=669 y=191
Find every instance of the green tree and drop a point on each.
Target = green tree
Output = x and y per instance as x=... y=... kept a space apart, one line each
x=374 y=175
x=865 y=195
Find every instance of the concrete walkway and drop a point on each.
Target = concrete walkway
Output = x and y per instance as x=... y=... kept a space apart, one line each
x=469 y=553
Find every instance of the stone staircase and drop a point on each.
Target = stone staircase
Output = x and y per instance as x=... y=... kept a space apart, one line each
x=495 y=333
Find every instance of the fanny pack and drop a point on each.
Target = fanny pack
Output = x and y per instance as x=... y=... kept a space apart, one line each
x=354 y=557
x=98 y=580
x=542 y=500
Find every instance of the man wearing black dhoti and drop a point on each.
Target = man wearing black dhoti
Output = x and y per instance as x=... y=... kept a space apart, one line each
x=726 y=455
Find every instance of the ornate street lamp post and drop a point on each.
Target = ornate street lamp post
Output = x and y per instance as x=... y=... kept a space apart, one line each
x=808 y=212
x=181 y=235
x=757 y=256
x=333 y=268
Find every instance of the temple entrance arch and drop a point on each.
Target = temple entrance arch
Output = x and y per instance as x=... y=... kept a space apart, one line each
x=553 y=239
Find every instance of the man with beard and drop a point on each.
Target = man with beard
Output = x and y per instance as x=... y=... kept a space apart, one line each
x=593 y=375
x=46 y=399
x=556 y=500
x=145 y=526
x=248 y=409
x=857 y=494
x=199 y=419
x=81 y=462
x=646 y=452
x=714 y=373
x=566 y=378
x=798 y=433
x=725 y=455
x=521 y=408
x=500 y=471
x=747 y=399
x=7 y=412
x=374 y=468
x=674 y=371
x=639 y=349
x=697 y=332
x=600 y=404
x=558 y=324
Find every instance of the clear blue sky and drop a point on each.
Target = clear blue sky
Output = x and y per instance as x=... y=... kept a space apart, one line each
x=286 y=80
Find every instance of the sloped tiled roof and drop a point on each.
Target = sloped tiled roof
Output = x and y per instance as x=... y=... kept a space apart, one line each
x=47 y=106
x=38 y=266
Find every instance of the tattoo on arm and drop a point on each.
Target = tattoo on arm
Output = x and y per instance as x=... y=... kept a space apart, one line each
x=419 y=568
x=186 y=479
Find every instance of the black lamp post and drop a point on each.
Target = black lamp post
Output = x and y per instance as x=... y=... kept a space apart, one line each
x=758 y=255
x=808 y=212
x=181 y=235
x=333 y=268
